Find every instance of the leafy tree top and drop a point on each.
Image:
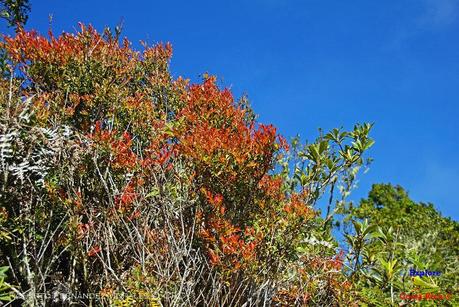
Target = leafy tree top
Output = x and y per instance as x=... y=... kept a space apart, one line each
x=391 y=206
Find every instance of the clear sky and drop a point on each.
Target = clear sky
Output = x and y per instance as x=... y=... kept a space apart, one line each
x=309 y=64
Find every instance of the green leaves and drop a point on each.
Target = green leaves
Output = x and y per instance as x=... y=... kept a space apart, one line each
x=391 y=267
x=336 y=135
x=424 y=285
x=406 y=235
x=15 y=11
x=6 y=294
x=317 y=152
x=334 y=158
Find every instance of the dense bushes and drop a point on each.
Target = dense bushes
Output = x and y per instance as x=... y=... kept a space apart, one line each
x=120 y=181
x=121 y=185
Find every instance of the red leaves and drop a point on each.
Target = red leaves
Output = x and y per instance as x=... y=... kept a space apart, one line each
x=135 y=214
x=298 y=207
x=28 y=46
x=213 y=257
x=122 y=156
x=272 y=187
x=161 y=51
x=283 y=144
x=215 y=134
x=31 y=47
x=227 y=245
x=216 y=201
x=137 y=120
x=90 y=76
x=337 y=262
x=331 y=263
x=228 y=151
x=128 y=196
x=78 y=201
x=83 y=229
x=163 y=156
x=94 y=250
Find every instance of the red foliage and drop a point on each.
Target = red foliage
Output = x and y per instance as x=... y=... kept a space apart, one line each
x=297 y=207
x=337 y=262
x=135 y=214
x=215 y=134
x=29 y=46
x=227 y=245
x=124 y=119
x=94 y=250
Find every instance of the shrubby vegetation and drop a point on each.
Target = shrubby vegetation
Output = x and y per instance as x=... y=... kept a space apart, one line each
x=118 y=179
x=121 y=181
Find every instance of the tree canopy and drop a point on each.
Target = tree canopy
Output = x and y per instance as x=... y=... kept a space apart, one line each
x=401 y=235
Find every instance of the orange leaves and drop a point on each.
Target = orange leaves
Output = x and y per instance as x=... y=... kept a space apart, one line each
x=87 y=76
x=137 y=101
x=272 y=187
x=78 y=201
x=27 y=46
x=125 y=200
x=164 y=156
x=124 y=156
x=159 y=51
x=120 y=149
x=227 y=245
x=131 y=121
x=137 y=120
x=227 y=151
x=298 y=207
x=337 y=262
x=231 y=156
x=213 y=257
x=101 y=135
x=122 y=153
x=291 y=296
x=134 y=215
x=283 y=144
x=83 y=229
x=30 y=47
x=328 y=264
x=216 y=201
x=215 y=133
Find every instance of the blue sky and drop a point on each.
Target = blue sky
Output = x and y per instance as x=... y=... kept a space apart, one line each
x=310 y=64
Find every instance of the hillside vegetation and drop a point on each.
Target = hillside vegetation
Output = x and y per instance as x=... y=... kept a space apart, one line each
x=123 y=186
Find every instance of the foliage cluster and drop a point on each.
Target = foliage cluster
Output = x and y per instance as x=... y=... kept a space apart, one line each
x=117 y=178
x=398 y=235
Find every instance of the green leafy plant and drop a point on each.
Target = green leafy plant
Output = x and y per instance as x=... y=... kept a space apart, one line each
x=6 y=293
x=403 y=235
